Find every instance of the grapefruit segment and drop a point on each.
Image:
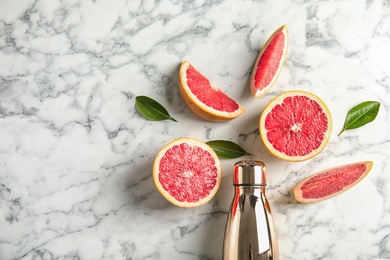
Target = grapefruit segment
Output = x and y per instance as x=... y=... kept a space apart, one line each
x=187 y=172
x=295 y=126
x=331 y=182
x=269 y=62
x=204 y=98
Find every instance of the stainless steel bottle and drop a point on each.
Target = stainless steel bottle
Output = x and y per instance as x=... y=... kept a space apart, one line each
x=250 y=231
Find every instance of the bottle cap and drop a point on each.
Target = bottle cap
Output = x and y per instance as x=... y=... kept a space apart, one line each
x=249 y=173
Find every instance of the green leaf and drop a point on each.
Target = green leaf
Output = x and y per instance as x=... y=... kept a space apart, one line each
x=151 y=109
x=360 y=115
x=227 y=149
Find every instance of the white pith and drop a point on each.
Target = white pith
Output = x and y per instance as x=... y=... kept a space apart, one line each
x=296 y=127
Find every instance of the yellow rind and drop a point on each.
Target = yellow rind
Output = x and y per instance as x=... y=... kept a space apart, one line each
x=199 y=108
x=278 y=99
x=165 y=193
x=297 y=188
x=255 y=91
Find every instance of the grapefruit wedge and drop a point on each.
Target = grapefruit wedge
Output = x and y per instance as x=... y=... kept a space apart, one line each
x=331 y=182
x=204 y=98
x=269 y=62
x=295 y=126
x=187 y=172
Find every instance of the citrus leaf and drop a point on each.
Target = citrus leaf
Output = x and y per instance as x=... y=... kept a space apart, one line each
x=227 y=149
x=151 y=109
x=360 y=115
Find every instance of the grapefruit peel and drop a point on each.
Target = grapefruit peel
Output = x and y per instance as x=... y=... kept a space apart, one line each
x=265 y=72
x=332 y=180
x=293 y=128
x=210 y=93
x=187 y=172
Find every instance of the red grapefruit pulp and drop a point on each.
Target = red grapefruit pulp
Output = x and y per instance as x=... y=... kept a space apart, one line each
x=331 y=182
x=204 y=98
x=187 y=172
x=269 y=62
x=295 y=125
x=214 y=98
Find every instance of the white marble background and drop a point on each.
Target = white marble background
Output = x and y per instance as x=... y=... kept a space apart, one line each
x=76 y=157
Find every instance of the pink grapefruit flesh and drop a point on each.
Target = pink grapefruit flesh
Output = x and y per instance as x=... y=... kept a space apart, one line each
x=295 y=126
x=269 y=62
x=204 y=98
x=214 y=98
x=187 y=172
x=329 y=183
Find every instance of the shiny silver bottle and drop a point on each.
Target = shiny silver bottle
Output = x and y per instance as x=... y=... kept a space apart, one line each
x=250 y=231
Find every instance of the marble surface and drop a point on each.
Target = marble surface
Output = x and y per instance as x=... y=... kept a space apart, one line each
x=76 y=157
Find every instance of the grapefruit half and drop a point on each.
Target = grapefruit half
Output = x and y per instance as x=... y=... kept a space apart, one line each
x=187 y=172
x=204 y=98
x=269 y=62
x=295 y=126
x=331 y=182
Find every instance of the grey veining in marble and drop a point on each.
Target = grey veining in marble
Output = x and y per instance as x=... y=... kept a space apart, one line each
x=76 y=157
